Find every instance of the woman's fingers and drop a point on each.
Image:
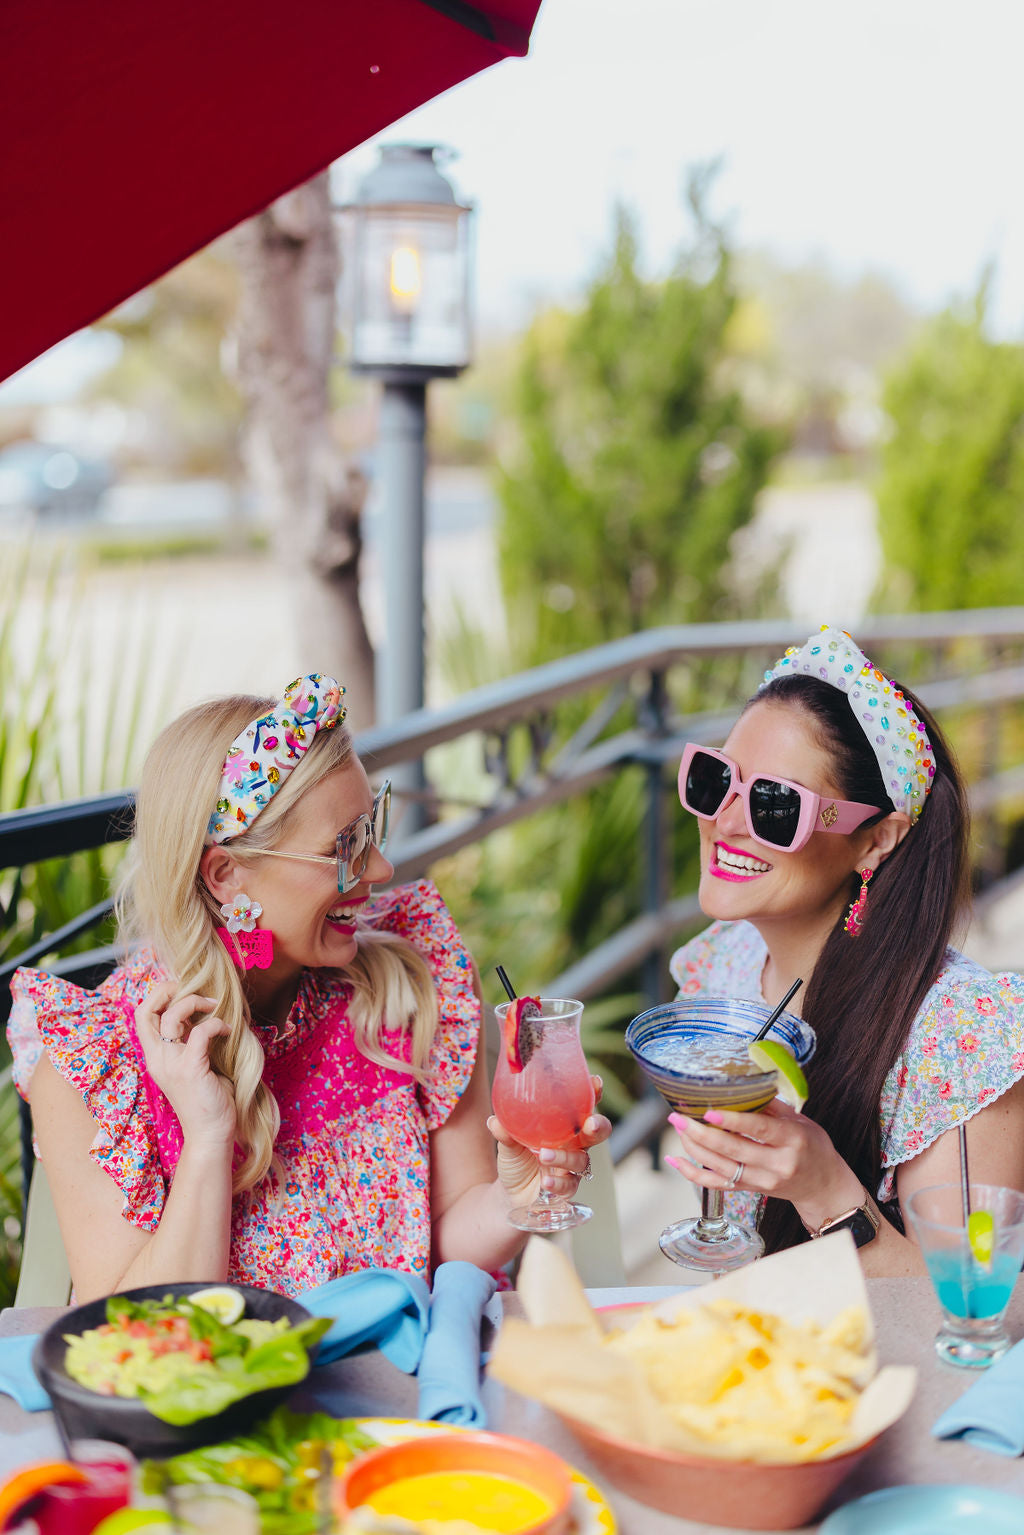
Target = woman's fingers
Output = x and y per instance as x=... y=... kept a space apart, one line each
x=171 y=1019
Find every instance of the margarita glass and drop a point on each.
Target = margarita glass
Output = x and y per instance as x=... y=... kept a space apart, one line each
x=973 y=1281
x=547 y=1103
x=695 y=1053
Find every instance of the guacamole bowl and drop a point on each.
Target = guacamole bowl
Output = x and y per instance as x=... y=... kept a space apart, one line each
x=84 y=1413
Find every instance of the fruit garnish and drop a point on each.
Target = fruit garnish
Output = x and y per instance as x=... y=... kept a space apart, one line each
x=29 y=1482
x=221 y=1301
x=521 y=1033
x=773 y=1055
x=981 y=1233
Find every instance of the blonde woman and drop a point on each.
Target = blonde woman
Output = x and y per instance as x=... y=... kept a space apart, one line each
x=282 y=1083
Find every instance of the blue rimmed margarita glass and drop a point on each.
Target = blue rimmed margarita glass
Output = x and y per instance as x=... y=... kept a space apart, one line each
x=668 y=1043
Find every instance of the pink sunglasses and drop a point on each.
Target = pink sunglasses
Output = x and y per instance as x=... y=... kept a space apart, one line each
x=779 y=814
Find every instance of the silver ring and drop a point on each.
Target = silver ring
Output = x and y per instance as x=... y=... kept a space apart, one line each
x=588 y=1171
x=170 y=1039
x=737 y=1175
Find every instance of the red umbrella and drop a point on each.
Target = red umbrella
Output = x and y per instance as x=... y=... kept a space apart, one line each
x=136 y=131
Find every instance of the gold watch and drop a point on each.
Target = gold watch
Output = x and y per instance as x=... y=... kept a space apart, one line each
x=862 y=1223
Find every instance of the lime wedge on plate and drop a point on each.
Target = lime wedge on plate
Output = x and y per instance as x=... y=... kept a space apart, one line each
x=221 y=1301
x=981 y=1233
x=771 y=1055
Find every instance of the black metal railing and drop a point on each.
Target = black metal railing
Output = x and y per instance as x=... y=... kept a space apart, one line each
x=624 y=701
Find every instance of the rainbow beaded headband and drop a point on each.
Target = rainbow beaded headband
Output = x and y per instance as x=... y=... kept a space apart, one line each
x=893 y=730
x=260 y=758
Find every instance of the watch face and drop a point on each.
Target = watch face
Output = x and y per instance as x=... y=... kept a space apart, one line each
x=862 y=1228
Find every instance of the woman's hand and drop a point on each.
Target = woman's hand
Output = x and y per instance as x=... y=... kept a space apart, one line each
x=177 y=1054
x=557 y=1172
x=778 y=1152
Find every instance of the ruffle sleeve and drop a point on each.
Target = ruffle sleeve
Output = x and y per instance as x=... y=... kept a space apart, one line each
x=86 y=1036
x=726 y=960
x=966 y=1049
x=417 y=912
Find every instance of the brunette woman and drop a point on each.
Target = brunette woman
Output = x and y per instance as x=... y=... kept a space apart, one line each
x=834 y=833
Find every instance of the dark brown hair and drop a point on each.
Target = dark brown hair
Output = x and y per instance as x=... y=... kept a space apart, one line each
x=865 y=992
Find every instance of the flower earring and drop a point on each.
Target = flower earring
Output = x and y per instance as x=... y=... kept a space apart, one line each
x=859 y=910
x=248 y=945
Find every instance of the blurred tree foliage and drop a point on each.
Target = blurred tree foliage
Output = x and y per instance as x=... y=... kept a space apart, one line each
x=184 y=409
x=952 y=477
x=636 y=462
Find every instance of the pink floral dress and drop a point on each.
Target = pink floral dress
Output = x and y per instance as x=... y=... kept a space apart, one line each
x=965 y=1048
x=354 y=1137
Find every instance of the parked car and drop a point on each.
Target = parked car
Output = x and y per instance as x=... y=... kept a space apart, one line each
x=48 y=478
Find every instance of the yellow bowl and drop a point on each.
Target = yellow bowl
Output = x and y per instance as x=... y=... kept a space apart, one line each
x=494 y=1455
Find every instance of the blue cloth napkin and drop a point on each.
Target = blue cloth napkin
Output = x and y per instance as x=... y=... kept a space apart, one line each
x=990 y=1414
x=17 y=1377
x=449 y=1371
x=375 y=1308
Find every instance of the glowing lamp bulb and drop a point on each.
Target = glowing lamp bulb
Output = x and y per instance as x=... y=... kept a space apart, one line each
x=405 y=276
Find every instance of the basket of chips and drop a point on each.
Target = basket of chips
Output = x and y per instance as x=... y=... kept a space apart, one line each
x=744 y=1404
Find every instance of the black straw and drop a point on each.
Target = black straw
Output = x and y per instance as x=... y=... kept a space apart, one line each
x=510 y=990
x=965 y=1186
x=774 y=1016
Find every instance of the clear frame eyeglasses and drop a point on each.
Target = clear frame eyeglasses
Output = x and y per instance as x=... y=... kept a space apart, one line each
x=353 y=843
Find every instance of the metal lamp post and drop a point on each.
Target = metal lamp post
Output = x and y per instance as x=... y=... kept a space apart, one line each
x=408 y=279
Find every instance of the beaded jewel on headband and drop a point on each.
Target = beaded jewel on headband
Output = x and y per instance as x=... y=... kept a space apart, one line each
x=261 y=756
x=893 y=730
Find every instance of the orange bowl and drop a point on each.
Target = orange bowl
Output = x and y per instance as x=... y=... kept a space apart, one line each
x=712 y=1490
x=493 y=1454
x=740 y=1493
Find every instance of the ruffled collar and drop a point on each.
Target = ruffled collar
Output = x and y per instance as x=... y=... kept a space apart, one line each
x=319 y=993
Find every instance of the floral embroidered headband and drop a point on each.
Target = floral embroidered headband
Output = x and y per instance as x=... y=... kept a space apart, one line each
x=894 y=732
x=260 y=758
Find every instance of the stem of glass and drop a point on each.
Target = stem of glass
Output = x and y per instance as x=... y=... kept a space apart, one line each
x=712 y=1226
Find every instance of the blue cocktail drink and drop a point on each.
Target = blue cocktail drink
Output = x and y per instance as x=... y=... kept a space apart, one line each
x=973 y=1279
x=967 y=1288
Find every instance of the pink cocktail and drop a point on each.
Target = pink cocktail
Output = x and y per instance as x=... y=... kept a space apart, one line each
x=547 y=1102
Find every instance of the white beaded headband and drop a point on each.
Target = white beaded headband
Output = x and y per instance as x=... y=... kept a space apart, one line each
x=893 y=730
x=261 y=756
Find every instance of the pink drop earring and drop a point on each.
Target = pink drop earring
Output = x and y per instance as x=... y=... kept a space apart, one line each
x=858 y=911
x=249 y=946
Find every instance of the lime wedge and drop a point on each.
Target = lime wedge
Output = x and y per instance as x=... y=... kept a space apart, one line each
x=221 y=1301
x=771 y=1055
x=981 y=1233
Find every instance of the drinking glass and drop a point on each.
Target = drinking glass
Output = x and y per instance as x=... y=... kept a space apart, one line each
x=672 y=1043
x=547 y=1104
x=973 y=1292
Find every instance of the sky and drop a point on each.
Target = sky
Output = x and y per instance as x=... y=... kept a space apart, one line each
x=882 y=136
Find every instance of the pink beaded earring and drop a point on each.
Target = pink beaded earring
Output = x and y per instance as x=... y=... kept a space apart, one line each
x=858 y=911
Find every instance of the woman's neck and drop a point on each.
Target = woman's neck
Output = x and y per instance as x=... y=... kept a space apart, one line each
x=271 y=995
x=794 y=949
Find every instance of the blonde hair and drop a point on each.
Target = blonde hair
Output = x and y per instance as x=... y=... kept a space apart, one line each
x=163 y=902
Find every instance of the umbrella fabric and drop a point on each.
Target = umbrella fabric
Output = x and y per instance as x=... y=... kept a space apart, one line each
x=135 y=133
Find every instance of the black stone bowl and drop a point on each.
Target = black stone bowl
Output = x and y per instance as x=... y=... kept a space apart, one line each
x=85 y=1414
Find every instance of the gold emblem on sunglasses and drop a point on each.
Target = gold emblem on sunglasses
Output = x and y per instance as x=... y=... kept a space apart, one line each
x=829 y=816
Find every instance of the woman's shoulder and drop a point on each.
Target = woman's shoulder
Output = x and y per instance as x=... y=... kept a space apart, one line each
x=726 y=957
x=966 y=999
x=965 y=1049
x=88 y=1038
x=417 y=912
x=80 y=1029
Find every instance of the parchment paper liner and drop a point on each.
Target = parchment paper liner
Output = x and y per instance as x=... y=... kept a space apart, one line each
x=556 y=1356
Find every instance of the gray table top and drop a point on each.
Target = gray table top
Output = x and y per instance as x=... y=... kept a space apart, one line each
x=906 y=1318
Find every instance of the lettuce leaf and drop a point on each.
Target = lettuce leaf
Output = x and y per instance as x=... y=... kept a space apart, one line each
x=282 y=1360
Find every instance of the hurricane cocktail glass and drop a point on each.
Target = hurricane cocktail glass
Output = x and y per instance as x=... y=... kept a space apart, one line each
x=695 y=1053
x=547 y=1102
x=973 y=1280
